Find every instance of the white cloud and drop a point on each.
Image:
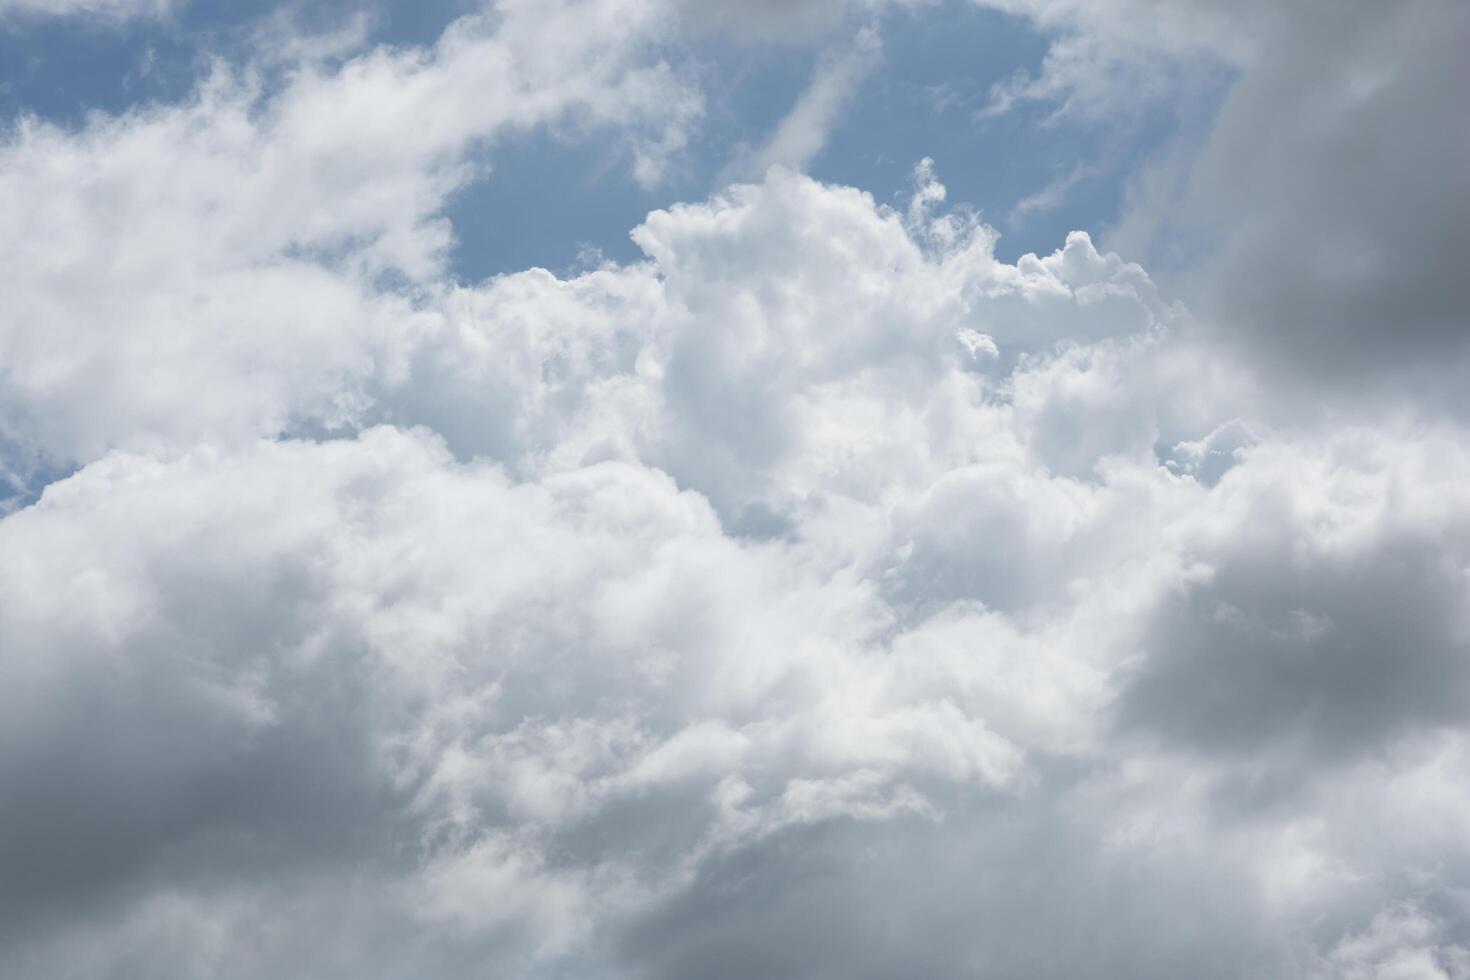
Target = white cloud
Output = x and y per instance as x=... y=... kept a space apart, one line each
x=760 y=558
x=233 y=244
x=835 y=82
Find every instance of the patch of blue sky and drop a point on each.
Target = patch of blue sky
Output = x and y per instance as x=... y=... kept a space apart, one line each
x=63 y=68
x=25 y=473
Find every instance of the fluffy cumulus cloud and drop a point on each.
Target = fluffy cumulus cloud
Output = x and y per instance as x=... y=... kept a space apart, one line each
x=818 y=596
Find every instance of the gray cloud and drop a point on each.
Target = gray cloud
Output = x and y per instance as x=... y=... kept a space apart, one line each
x=1320 y=623
x=1357 y=192
x=1331 y=194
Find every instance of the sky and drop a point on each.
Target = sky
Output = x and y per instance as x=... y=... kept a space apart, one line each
x=643 y=489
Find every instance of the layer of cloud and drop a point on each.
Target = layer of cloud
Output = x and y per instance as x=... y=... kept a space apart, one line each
x=820 y=596
x=820 y=572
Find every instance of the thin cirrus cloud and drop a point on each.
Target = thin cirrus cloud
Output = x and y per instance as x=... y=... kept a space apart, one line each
x=107 y=10
x=819 y=595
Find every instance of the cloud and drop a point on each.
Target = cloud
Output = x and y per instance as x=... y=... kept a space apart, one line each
x=1310 y=138
x=1052 y=195
x=1320 y=108
x=820 y=595
x=104 y=10
x=1399 y=942
x=804 y=131
x=1328 y=624
x=342 y=700
x=240 y=242
x=742 y=615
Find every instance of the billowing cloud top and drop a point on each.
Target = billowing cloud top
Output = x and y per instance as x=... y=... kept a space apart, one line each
x=821 y=594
